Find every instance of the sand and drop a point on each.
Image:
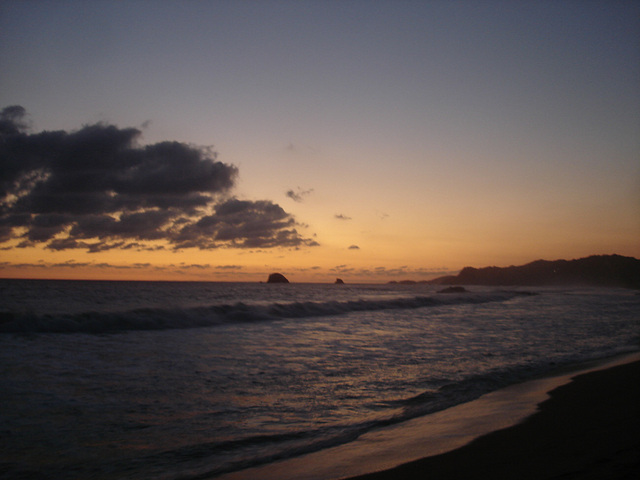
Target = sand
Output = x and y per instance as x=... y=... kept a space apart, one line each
x=587 y=429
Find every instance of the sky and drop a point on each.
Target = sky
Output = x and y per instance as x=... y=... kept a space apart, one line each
x=366 y=140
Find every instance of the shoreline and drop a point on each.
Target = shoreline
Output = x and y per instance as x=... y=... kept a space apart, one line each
x=588 y=428
x=426 y=445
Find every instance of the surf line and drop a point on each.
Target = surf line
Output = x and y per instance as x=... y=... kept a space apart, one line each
x=433 y=434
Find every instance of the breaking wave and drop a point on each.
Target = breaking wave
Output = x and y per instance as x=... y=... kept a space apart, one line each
x=208 y=316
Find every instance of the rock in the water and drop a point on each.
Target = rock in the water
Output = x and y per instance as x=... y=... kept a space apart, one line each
x=339 y=281
x=453 y=290
x=277 y=278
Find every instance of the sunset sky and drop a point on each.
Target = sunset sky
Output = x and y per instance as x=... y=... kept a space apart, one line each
x=366 y=140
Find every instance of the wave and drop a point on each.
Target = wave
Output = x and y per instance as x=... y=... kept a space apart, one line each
x=255 y=450
x=208 y=316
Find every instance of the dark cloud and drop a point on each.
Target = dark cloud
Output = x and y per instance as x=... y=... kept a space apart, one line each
x=402 y=272
x=13 y=120
x=299 y=195
x=243 y=224
x=198 y=266
x=354 y=247
x=343 y=269
x=408 y=272
x=97 y=189
x=73 y=264
x=342 y=217
x=184 y=268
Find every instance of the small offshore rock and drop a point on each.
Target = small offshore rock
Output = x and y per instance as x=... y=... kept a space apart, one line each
x=277 y=278
x=453 y=290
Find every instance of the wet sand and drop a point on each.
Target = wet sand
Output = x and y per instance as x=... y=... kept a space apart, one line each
x=587 y=429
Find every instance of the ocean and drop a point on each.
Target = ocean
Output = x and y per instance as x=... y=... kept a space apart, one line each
x=180 y=380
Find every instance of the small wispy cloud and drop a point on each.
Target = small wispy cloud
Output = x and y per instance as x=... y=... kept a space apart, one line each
x=354 y=247
x=299 y=194
x=300 y=149
x=340 y=216
x=342 y=269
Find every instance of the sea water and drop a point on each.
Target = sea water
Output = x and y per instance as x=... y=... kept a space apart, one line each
x=170 y=380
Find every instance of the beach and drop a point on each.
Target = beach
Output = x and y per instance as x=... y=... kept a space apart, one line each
x=587 y=429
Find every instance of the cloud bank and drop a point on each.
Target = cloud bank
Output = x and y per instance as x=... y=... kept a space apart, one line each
x=385 y=272
x=97 y=189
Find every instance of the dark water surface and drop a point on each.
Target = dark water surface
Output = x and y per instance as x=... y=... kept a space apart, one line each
x=114 y=380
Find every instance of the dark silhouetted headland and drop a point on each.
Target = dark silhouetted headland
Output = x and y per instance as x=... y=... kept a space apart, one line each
x=597 y=270
x=277 y=278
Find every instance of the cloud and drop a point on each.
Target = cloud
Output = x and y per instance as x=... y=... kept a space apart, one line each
x=13 y=120
x=343 y=269
x=408 y=272
x=402 y=272
x=72 y=264
x=354 y=247
x=299 y=195
x=97 y=189
x=342 y=217
x=298 y=149
x=192 y=268
x=243 y=224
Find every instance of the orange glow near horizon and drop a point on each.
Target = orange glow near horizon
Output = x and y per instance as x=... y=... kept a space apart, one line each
x=321 y=264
